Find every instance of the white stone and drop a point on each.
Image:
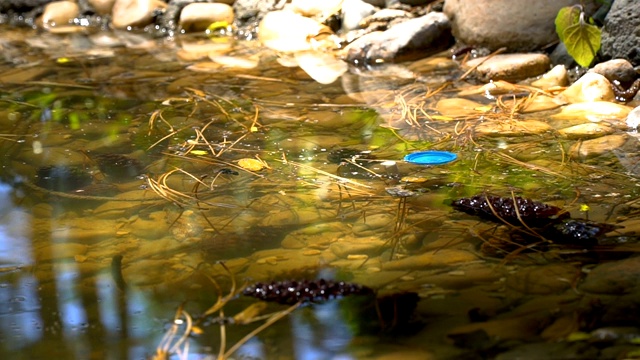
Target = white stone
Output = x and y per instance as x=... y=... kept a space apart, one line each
x=128 y=13
x=198 y=16
x=353 y=12
x=633 y=119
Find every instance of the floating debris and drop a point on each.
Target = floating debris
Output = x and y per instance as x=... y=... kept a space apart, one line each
x=431 y=157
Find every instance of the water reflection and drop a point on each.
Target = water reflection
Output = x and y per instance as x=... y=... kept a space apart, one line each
x=319 y=332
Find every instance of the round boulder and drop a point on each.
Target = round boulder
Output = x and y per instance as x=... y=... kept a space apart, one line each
x=518 y=25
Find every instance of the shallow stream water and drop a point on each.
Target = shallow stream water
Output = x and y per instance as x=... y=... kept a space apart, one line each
x=138 y=179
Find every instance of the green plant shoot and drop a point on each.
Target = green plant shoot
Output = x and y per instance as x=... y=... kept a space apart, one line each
x=581 y=38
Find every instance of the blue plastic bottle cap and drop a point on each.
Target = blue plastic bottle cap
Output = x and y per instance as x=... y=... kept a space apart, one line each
x=431 y=157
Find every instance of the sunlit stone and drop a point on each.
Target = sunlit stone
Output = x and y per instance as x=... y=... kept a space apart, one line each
x=557 y=76
x=590 y=87
x=457 y=107
x=127 y=13
x=594 y=111
x=287 y=31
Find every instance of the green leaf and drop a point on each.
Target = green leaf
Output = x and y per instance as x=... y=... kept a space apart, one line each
x=583 y=42
x=567 y=16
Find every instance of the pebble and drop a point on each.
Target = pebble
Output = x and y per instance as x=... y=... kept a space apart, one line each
x=586 y=131
x=542 y=280
x=510 y=67
x=616 y=70
x=345 y=247
x=129 y=13
x=353 y=12
x=512 y=128
x=410 y=40
x=596 y=147
x=618 y=277
x=198 y=16
x=437 y=258
x=557 y=76
x=457 y=107
x=590 y=87
x=593 y=111
x=59 y=13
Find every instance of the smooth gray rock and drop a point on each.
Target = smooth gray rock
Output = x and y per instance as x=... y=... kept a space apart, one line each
x=413 y=39
x=617 y=70
x=621 y=31
x=518 y=25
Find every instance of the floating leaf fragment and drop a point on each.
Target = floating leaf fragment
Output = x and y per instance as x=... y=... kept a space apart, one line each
x=251 y=164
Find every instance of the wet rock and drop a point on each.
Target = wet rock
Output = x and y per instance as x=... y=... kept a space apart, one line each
x=505 y=23
x=620 y=277
x=512 y=128
x=353 y=12
x=56 y=252
x=552 y=350
x=557 y=76
x=597 y=147
x=295 y=217
x=455 y=107
x=437 y=258
x=280 y=263
x=126 y=13
x=633 y=119
x=198 y=16
x=620 y=37
x=590 y=87
x=593 y=111
x=586 y=131
x=510 y=67
x=59 y=13
x=346 y=246
x=413 y=39
x=315 y=236
x=102 y=7
x=252 y=11
x=619 y=70
x=518 y=327
x=118 y=167
x=373 y=222
x=548 y=279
